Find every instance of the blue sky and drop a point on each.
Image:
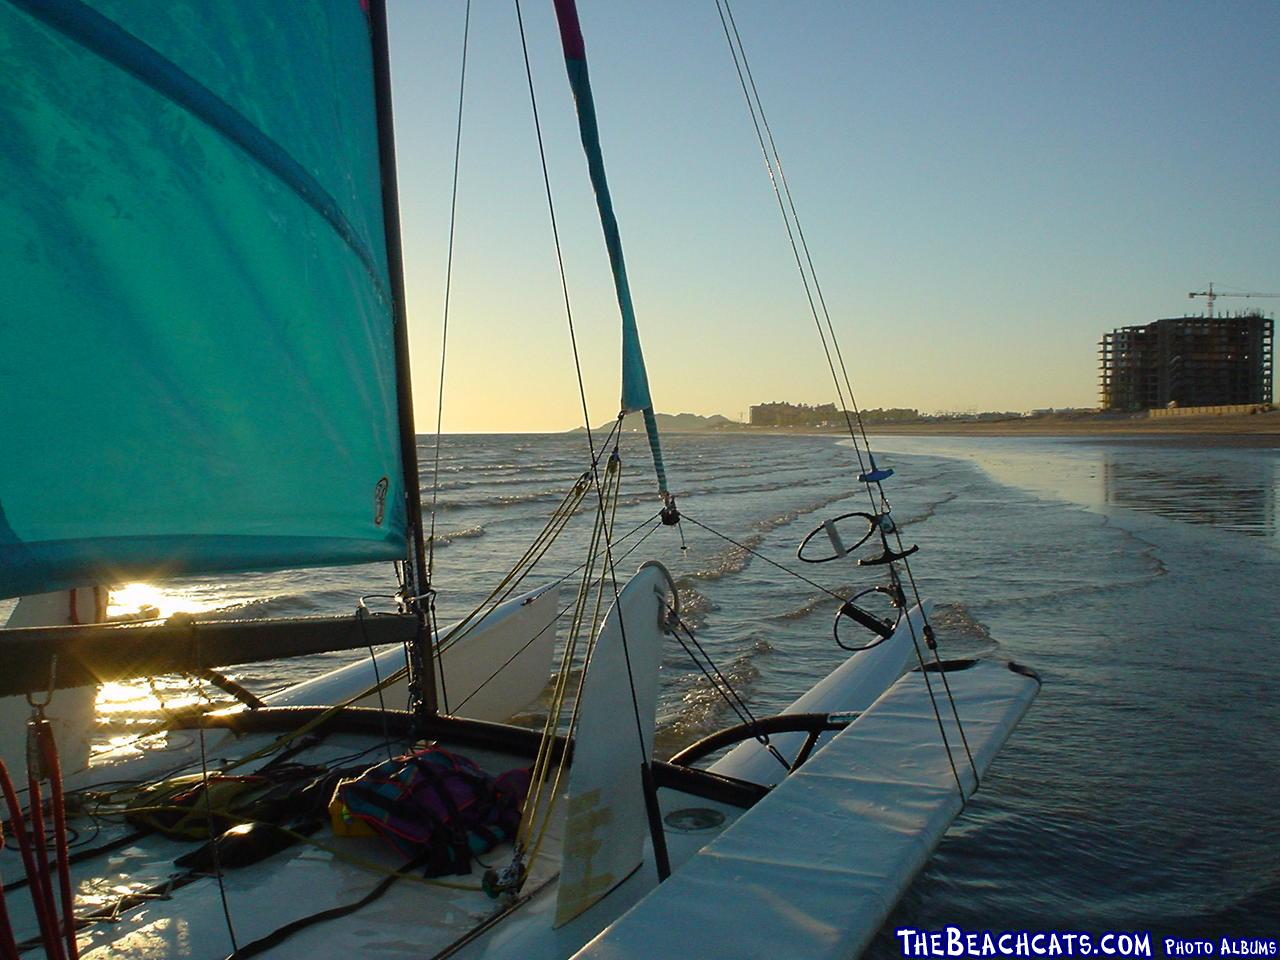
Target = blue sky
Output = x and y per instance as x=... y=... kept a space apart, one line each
x=986 y=188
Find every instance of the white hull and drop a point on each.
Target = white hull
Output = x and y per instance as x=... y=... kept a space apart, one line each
x=820 y=862
x=851 y=688
x=882 y=787
x=496 y=670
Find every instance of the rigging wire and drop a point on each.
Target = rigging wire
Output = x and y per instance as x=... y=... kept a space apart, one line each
x=555 y=233
x=790 y=215
x=605 y=518
x=795 y=217
x=605 y=514
x=543 y=760
x=791 y=237
x=756 y=553
x=720 y=683
x=432 y=623
x=361 y=612
x=563 y=610
x=911 y=626
x=520 y=570
x=213 y=845
x=618 y=542
x=537 y=549
x=448 y=286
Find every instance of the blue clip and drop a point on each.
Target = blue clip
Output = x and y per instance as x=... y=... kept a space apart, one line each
x=875 y=474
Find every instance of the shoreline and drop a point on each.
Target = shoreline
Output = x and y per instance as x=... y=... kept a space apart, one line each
x=1255 y=431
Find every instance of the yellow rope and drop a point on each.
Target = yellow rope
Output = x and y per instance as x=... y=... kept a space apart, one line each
x=555 y=708
x=564 y=512
x=554 y=527
x=543 y=542
x=594 y=635
x=606 y=515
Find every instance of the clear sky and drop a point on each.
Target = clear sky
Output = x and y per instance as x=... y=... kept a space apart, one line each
x=986 y=188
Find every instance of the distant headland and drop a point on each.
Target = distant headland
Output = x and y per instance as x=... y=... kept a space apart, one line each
x=674 y=423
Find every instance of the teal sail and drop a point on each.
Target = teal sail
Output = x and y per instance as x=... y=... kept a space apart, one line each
x=197 y=360
x=635 y=380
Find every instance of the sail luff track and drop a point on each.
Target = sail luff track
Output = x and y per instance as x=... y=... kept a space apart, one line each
x=422 y=684
x=635 y=380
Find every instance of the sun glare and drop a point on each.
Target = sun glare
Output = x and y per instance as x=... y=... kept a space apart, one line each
x=145 y=601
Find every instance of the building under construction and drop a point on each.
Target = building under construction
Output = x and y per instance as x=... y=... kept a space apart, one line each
x=1187 y=362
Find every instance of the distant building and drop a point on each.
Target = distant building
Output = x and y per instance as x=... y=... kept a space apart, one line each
x=1187 y=362
x=823 y=415
x=793 y=415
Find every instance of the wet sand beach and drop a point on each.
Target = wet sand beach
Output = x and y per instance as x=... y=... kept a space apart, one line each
x=1260 y=430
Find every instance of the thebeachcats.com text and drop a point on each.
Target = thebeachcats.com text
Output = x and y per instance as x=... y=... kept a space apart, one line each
x=953 y=942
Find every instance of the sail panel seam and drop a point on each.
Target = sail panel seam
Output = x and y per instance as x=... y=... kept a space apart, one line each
x=110 y=42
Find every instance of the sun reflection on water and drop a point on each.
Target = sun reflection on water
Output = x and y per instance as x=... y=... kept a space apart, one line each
x=119 y=699
x=145 y=700
x=146 y=601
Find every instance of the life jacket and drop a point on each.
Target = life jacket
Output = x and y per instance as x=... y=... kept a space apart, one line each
x=436 y=806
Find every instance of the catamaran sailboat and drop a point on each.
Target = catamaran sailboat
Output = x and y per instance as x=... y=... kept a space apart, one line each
x=204 y=369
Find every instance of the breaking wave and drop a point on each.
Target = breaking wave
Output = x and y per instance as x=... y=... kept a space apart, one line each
x=954 y=624
x=694 y=707
x=929 y=510
x=734 y=559
x=694 y=606
x=466 y=533
x=817 y=601
x=554 y=495
x=282 y=605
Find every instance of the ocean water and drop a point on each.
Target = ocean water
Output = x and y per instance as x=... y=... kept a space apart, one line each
x=1140 y=581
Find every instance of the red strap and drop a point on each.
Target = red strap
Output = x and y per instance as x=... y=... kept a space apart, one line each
x=49 y=754
x=18 y=823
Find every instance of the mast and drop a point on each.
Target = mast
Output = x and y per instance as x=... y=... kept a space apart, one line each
x=635 y=380
x=422 y=683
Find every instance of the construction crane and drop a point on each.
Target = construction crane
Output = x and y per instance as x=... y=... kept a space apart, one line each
x=1211 y=295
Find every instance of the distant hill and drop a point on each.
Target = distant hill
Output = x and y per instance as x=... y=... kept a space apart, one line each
x=672 y=423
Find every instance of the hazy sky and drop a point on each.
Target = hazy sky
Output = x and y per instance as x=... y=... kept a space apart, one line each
x=986 y=188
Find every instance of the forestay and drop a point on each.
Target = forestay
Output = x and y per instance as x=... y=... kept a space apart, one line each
x=197 y=366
